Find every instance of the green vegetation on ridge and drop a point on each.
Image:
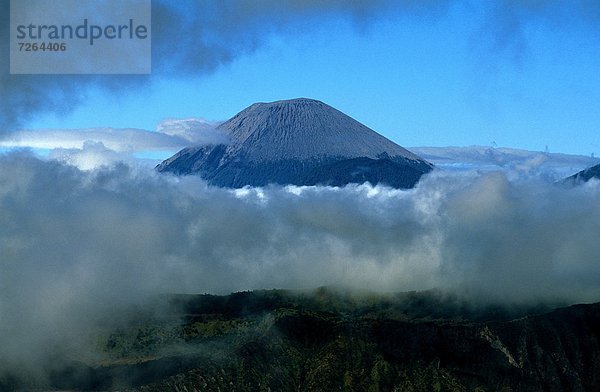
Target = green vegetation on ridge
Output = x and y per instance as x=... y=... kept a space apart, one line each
x=325 y=340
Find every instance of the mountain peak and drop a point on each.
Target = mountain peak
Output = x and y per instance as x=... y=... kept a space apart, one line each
x=293 y=101
x=299 y=141
x=305 y=128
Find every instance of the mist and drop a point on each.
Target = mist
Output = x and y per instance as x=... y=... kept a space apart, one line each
x=82 y=247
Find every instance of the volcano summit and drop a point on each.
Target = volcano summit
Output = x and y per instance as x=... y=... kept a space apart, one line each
x=301 y=142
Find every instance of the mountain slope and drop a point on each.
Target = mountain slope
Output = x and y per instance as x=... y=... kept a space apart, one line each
x=301 y=142
x=584 y=175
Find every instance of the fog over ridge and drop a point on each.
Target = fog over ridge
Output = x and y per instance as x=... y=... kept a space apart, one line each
x=55 y=212
x=79 y=245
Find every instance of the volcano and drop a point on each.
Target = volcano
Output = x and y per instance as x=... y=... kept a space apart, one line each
x=300 y=142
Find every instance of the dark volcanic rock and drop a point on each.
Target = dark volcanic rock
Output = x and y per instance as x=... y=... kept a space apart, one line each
x=301 y=142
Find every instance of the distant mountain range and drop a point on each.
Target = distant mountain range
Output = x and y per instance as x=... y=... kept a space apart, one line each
x=301 y=142
x=551 y=165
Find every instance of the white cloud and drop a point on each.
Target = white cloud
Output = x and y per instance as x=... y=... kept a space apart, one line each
x=92 y=155
x=285 y=236
x=170 y=135
x=78 y=246
x=93 y=147
x=196 y=131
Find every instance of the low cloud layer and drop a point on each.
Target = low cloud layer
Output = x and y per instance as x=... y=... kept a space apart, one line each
x=171 y=134
x=516 y=163
x=94 y=147
x=119 y=140
x=76 y=245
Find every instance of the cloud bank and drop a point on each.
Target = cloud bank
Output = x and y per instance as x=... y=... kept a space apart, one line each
x=119 y=140
x=94 y=147
x=77 y=245
x=170 y=134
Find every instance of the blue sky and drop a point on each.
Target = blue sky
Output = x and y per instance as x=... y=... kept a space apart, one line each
x=469 y=73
